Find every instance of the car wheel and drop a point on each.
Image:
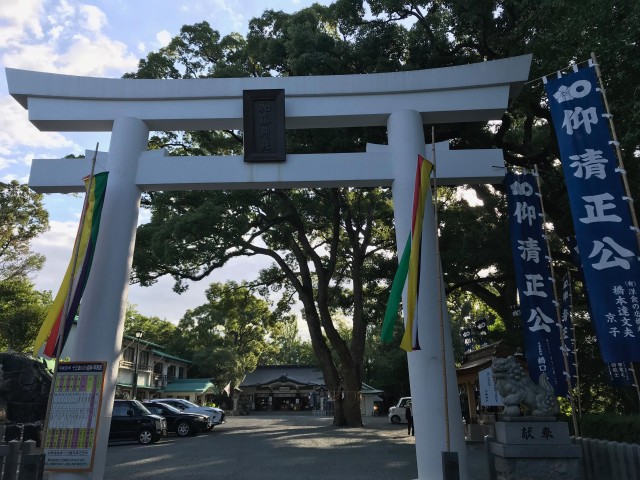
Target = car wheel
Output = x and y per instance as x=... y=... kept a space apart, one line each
x=145 y=436
x=396 y=419
x=184 y=429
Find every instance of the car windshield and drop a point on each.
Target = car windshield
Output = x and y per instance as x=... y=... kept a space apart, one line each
x=166 y=407
x=188 y=403
x=140 y=407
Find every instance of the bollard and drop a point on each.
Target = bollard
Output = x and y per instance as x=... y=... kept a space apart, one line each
x=32 y=431
x=29 y=461
x=12 y=431
x=11 y=461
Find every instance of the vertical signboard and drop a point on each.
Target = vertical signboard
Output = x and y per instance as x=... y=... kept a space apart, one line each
x=264 y=126
x=72 y=426
x=489 y=395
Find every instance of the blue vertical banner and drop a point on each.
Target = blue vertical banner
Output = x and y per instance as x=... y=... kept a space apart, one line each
x=482 y=331
x=568 y=332
x=620 y=374
x=601 y=212
x=468 y=339
x=538 y=308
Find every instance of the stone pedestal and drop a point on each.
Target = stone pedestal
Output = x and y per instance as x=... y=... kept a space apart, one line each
x=534 y=448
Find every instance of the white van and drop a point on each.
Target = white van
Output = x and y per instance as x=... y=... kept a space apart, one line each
x=397 y=414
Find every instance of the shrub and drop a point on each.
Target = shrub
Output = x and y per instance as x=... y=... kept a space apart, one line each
x=611 y=426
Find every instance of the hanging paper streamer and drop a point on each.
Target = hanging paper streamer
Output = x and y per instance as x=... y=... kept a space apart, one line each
x=409 y=266
x=67 y=300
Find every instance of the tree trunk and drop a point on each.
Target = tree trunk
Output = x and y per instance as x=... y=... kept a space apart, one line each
x=348 y=400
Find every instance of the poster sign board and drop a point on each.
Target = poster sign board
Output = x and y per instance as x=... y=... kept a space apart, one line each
x=69 y=442
x=489 y=396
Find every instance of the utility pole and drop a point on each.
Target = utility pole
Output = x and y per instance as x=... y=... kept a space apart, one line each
x=134 y=392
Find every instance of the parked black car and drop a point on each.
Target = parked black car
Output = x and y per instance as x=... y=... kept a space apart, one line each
x=182 y=423
x=131 y=420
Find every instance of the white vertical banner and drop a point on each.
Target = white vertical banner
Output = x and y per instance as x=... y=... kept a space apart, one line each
x=489 y=396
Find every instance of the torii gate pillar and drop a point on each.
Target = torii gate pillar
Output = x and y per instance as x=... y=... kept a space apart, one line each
x=99 y=336
x=406 y=140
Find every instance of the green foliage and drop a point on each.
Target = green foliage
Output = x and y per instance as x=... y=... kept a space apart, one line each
x=155 y=330
x=227 y=336
x=288 y=348
x=22 y=311
x=22 y=218
x=386 y=367
x=613 y=427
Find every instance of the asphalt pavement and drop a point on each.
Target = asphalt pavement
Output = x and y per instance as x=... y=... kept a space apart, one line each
x=282 y=446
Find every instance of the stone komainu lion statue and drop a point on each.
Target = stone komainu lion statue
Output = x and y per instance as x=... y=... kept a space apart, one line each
x=516 y=388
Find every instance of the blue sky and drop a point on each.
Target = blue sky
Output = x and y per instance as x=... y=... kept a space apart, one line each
x=102 y=38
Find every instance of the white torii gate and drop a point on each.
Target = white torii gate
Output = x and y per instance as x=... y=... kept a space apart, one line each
x=403 y=101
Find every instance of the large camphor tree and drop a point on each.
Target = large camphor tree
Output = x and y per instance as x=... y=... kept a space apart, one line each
x=332 y=250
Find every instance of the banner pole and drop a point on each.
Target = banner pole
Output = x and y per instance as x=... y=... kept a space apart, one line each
x=565 y=355
x=616 y=144
x=575 y=344
x=635 y=380
x=440 y=287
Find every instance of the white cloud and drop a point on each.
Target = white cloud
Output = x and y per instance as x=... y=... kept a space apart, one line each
x=27 y=158
x=55 y=32
x=5 y=163
x=63 y=11
x=56 y=245
x=15 y=130
x=163 y=37
x=60 y=236
x=237 y=18
x=94 y=18
x=141 y=47
x=19 y=19
x=95 y=56
x=75 y=43
x=12 y=176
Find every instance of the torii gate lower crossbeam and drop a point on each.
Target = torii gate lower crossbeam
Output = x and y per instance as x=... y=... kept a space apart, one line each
x=130 y=108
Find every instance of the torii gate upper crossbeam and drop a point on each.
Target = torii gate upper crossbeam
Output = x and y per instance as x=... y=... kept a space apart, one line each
x=475 y=92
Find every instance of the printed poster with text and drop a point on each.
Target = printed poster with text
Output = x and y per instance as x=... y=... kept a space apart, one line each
x=73 y=418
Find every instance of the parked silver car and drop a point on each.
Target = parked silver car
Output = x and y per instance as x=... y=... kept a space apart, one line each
x=215 y=414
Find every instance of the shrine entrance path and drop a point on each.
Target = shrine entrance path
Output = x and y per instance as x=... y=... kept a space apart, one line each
x=282 y=446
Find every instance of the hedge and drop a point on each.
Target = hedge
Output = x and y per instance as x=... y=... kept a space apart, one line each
x=610 y=426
